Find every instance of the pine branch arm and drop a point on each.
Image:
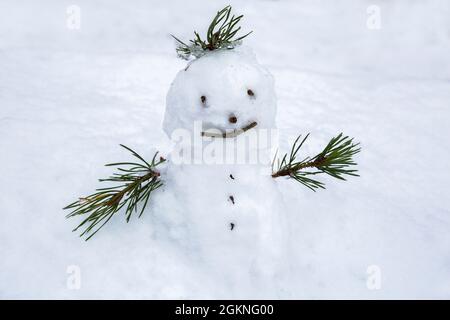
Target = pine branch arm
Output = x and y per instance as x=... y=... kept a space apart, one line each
x=133 y=183
x=336 y=160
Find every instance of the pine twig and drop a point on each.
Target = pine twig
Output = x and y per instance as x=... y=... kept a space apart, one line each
x=231 y=134
x=135 y=181
x=220 y=34
x=336 y=160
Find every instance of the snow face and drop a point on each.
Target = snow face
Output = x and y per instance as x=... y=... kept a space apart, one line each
x=225 y=90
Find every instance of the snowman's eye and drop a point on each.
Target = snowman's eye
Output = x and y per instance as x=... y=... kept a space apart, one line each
x=203 y=99
x=250 y=93
x=232 y=119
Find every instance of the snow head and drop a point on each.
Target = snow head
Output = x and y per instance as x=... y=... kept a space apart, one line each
x=226 y=90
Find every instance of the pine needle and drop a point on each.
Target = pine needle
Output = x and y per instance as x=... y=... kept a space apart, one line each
x=336 y=160
x=220 y=34
x=133 y=184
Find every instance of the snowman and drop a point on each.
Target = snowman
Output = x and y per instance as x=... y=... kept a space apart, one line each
x=219 y=197
x=220 y=112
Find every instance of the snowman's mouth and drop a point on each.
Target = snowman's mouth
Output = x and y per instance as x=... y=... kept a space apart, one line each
x=229 y=134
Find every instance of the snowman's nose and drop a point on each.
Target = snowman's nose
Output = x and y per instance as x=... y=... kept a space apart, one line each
x=232 y=118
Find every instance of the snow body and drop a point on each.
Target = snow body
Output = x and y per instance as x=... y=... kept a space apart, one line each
x=229 y=211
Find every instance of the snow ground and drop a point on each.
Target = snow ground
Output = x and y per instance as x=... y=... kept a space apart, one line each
x=69 y=97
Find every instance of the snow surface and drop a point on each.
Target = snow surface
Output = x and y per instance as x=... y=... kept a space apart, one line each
x=69 y=97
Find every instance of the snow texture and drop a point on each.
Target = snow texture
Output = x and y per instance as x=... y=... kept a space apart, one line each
x=68 y=97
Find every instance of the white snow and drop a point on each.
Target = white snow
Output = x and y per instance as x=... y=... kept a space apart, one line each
x=69 y=97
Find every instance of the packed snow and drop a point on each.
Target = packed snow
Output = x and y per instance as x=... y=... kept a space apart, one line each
x=375 y=70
